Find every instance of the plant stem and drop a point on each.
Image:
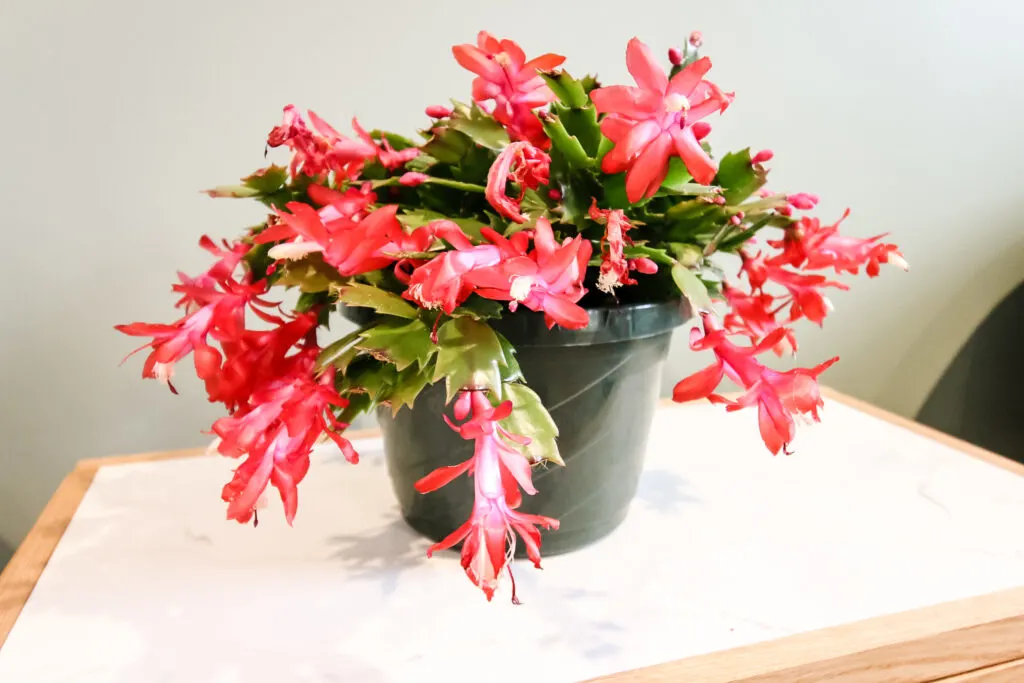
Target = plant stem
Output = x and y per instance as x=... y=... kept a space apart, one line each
x=447 y=182
x=772 y=202
x=717 y=239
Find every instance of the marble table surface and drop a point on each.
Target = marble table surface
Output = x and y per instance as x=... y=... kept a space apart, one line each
x=724 y=546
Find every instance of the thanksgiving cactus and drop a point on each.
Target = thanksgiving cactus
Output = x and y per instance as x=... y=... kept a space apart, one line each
x=546 y=192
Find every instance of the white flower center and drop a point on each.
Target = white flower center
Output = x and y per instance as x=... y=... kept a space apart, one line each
x=502 y=59
x=676 y=102
x=521 y=287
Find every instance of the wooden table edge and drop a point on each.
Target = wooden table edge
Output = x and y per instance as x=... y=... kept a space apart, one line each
x=975 y=635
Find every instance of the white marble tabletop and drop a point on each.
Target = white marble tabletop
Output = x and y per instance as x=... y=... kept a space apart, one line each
x=724 y=546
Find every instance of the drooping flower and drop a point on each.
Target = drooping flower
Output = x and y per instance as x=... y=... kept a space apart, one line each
x=211 y=306
x=523 y=164
x=505 y=76
x=387 y=155
x=498 y=471
x=812 y=246
x=352 y=244
x=806 y=300
x=254 y=357
x=655 y=120
x=322 y=149
x=440 y=283
x=615 y=266
x=549 y=278
x=754 y=316
x=779 y=396
x=276 y=432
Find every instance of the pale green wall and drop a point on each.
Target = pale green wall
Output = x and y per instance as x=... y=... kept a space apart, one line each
x=115 y=113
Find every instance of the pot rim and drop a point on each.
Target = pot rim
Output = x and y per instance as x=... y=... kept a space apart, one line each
x=608 y=323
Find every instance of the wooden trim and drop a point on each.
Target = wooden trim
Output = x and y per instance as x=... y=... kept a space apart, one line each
x=921 y=645
x=25 y=567
x=1007 y=672
x=978 y=640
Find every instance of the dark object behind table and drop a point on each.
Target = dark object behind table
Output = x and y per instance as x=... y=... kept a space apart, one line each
x=978 y=398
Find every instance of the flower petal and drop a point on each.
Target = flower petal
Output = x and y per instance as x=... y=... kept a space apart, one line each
x=649 y=170
x=775 y=424
x=615 y=127
x=696 y=160
x=476 y=60
x=625 y=100
x=545 y=62
x=685 y=82
x=566 y=313
x=645 y=68
x=452 y=538
x=700 y=384
x=630 y=147
x=441 y=477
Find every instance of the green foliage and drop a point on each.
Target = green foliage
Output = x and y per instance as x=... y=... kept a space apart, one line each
x=568 y=146
x=267 y=180
x=692 y=287
x=690 y=219
x=258 y=260
x=480 y=308
x=531 y=419
x=407 y=387
x=385 y=303
x=469 y=356
x=448 y=145
x=398 y=142
x=510 y=372
x=415 y=218
x=566 y=88
x=308 y=300
x=310 y=274
x=341 y=352
x=368 y=375
x=478 y=126
x=654 y=253
x=738 y=177
x=357 y=403
x=474 y=165
x=615 y=191
x=401 y=342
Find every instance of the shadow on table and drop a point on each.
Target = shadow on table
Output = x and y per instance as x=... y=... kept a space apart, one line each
x=381 y=555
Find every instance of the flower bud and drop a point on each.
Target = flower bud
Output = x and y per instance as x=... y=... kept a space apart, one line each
x=802 y=200
x=696 y=39
x=643 y=265
x=701 y=129
x=437 y=111
x=555 y=194
x=413 y=178
x=675 y=56
x=762 y=156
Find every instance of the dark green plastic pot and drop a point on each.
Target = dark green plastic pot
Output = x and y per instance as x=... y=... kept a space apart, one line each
x=601 y=386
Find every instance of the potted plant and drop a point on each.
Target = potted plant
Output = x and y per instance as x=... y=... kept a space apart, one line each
x=515 y=277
